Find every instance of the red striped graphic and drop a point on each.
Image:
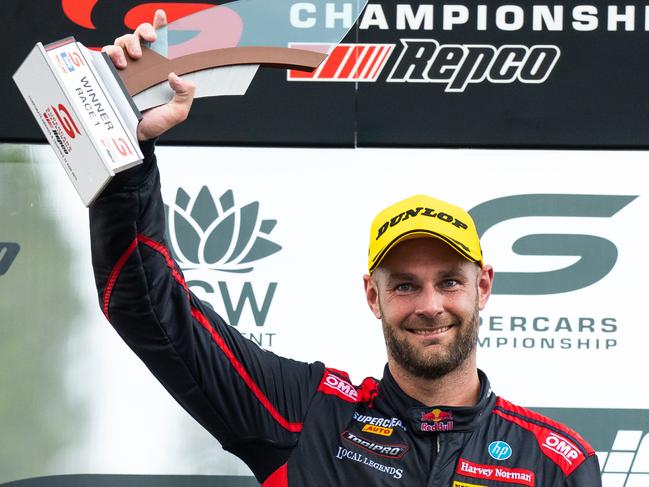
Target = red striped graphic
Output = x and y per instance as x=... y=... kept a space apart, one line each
x=348 y=62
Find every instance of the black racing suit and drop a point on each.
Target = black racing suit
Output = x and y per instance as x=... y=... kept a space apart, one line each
x=295 y=423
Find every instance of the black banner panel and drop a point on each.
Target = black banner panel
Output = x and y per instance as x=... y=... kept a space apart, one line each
x=490 y=74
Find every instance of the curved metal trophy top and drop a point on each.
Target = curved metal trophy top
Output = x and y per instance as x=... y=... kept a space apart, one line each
x=245 y=32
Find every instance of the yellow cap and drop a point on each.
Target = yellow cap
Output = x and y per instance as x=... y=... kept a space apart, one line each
x=423 y=216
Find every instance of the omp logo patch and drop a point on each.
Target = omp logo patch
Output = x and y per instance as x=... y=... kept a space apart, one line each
x=216 y=234
x=559 y=445
x=332 y=384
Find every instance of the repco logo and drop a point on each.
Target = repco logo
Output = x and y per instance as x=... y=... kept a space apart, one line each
x=597 y=255
x=458 y=65
x=66 y=121
x=8 y=253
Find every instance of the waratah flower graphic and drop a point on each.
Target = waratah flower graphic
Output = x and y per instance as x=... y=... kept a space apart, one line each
x=215 y=234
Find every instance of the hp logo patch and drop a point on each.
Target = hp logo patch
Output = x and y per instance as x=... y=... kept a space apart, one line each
x=499 y=450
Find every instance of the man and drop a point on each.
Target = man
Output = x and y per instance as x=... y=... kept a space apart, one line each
x=431 y=421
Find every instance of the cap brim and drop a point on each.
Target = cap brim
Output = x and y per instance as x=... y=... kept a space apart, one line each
x=423 y=233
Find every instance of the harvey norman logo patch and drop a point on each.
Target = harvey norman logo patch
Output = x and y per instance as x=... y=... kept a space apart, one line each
x=495 y=472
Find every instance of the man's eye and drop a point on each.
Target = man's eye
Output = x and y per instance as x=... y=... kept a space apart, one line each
x=404 y=288
x=449 y=283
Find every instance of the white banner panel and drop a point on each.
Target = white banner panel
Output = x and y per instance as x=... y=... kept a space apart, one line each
x=564 y=318
x=276 y=241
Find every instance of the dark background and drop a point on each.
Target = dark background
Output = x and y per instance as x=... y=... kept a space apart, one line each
x=596 y=96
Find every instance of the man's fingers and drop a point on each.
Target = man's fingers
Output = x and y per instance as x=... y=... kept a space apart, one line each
x=160 y=119
x=184 y=96
x=159 y=19
x=181 y=86
x=131 y=45
x=116 y=55
x=146 y=32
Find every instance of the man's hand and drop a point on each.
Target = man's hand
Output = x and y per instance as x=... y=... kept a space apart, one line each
x=160 y=119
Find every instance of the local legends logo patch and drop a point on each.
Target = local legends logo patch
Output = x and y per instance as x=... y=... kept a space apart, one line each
x=216 y=234
x=437 y=420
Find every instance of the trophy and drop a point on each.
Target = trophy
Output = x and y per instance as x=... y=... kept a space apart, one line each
x=89 y=111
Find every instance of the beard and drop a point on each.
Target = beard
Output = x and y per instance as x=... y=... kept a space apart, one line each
x=432 y=365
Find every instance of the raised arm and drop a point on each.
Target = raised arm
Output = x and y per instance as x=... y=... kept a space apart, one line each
x=252 y=401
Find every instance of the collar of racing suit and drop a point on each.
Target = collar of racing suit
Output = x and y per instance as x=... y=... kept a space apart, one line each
x=436 y=419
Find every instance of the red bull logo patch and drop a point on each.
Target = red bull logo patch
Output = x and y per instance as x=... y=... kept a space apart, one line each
x=437 y=420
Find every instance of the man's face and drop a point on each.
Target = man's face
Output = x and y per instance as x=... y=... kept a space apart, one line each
x=428 y=298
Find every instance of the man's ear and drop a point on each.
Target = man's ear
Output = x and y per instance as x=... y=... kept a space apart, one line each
x=372 y=294
x=485 y=283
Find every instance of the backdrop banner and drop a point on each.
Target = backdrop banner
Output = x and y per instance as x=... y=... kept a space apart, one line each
x=563 y=331
x=514 y=74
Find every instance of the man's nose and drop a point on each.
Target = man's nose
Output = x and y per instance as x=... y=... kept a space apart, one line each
x=429 y=302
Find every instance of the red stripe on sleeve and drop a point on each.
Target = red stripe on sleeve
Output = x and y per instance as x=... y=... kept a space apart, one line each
x=560 y=449
x=243 y=373
x=218 y=339
x=503 y=403
x=158 y=247
x=279 y=478
x=114 y=274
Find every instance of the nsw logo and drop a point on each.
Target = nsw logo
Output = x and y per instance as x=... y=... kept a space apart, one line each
x=210 y=235
x=216 y=234
x=500 y=450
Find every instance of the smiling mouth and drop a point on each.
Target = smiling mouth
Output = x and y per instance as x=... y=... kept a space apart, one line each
x=430 y=332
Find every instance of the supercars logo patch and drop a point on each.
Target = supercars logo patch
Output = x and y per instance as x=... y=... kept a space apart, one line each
x=494 y=472
x=388 y=451
x=464 y=484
